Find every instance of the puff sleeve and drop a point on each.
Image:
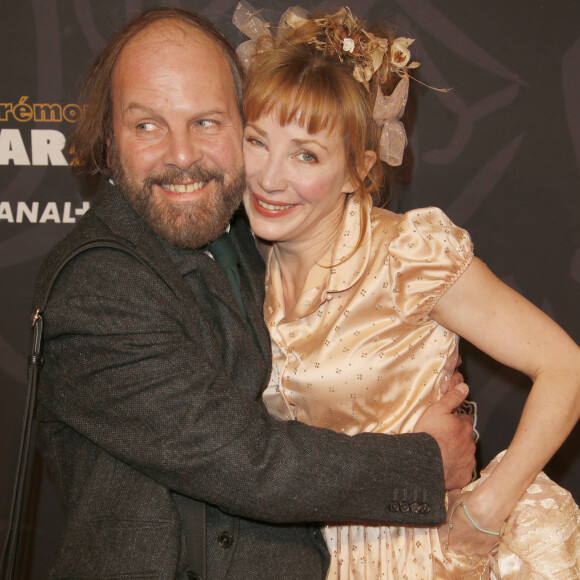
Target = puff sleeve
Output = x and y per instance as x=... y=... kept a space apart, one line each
x=427 y=254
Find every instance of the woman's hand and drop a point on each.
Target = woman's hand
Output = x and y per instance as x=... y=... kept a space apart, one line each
x=461 y=533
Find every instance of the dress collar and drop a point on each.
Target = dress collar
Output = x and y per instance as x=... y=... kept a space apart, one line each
x=325 y=279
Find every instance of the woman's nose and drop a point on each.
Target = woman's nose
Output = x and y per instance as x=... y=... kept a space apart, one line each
x=273 y=175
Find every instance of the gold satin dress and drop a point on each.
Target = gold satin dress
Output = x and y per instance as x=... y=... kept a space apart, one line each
x=360 y=353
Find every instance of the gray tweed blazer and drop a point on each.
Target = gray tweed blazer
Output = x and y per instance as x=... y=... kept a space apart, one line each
x=151 y=386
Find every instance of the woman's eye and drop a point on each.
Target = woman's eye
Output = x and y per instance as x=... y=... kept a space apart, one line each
x=255 y=142
x=308 y=157
x=145 y=126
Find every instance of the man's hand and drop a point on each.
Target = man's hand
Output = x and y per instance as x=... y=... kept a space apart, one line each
x=454 y=434
x=454 y=380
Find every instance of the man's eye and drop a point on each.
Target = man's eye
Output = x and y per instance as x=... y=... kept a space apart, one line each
x=145 y=126
x=205 y=123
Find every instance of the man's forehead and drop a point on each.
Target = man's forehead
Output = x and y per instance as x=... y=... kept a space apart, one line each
x=166 y=43
x=169 y=60
x=172 y=30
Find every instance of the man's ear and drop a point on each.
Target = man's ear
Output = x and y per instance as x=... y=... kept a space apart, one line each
x=369 y=160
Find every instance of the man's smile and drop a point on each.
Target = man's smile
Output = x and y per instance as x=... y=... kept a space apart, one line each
x=184 y=187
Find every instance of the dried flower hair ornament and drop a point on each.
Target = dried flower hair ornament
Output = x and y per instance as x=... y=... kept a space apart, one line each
x=345 y=36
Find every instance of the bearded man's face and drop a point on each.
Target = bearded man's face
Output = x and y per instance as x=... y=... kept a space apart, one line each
x=176 y=149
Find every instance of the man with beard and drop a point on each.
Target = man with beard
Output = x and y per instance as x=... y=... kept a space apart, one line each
x=150 y=392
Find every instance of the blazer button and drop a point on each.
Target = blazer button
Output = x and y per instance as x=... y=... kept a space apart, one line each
x=425 y=508
x=225 y=540
x=394 y=506
x=404 y=506
x=415 y=507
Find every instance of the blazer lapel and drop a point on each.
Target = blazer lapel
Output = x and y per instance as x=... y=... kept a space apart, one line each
x=114 y=209
x=252 y=272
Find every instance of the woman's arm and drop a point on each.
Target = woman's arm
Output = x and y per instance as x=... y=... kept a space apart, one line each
x=496 y=319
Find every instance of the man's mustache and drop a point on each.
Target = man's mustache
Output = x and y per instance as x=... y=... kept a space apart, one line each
x=175 y=176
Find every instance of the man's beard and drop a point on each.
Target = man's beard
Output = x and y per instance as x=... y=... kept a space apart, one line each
x=186 y=225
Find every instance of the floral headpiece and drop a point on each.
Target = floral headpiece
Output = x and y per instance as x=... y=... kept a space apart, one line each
x=345 y=36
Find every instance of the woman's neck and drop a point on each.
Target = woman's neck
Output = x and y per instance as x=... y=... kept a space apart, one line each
x=296 y=258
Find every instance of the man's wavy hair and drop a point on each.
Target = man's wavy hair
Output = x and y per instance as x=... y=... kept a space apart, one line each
x=87 y=144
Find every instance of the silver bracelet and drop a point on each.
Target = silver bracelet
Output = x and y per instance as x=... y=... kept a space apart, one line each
x=471 y=520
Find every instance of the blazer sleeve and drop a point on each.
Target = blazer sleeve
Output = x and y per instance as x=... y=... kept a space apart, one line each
x=124 y=371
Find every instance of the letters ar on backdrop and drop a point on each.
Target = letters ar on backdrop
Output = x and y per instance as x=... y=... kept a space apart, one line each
x=499 y=153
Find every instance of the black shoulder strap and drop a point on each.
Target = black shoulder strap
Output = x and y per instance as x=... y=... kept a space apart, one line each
x=195 y=533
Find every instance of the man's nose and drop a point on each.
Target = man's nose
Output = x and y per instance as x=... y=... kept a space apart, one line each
x=183 y=149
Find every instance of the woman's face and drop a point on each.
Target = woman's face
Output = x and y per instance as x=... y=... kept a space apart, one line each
x=297 y=181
